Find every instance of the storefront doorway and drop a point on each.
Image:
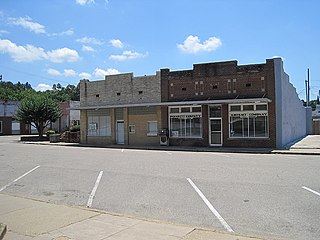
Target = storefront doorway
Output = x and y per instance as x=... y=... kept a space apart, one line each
x=120 y=132
x=215 y=125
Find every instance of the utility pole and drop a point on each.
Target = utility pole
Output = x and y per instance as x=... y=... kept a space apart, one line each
x=307 y=82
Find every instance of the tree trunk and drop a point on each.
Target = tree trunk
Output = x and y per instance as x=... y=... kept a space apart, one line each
x=40 y=129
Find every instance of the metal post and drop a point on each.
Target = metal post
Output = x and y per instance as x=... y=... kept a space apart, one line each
x=308 y=87
x=306 y=83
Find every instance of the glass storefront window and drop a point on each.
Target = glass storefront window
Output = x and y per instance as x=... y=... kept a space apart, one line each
x=99 y=126
x=248 y=121
x=185 y=124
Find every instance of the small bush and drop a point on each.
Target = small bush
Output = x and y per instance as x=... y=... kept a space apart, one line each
x=50 y=132
x=75 y=128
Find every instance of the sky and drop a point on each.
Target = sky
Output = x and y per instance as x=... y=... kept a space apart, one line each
x=63 y=41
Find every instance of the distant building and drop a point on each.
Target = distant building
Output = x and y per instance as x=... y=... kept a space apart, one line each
x=219 y=104
x=316 y=120
x=70 y=116
x=8 y=124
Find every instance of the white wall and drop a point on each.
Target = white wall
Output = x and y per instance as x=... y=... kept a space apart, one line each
x=290 y=113
x=74 y=114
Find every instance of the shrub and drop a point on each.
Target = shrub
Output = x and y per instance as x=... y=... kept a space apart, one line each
x=50 y=132
x=75 y=128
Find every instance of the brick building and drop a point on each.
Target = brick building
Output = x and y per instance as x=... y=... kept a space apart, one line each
x=8 y=124
x=219 y=104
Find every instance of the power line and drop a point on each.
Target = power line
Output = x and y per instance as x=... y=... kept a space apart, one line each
x=32 y=74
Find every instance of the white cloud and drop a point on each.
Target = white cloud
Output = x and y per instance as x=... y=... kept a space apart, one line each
x=63 y=55
x=53 y=72
x=28 y=24
x=116 y=43
x=193 y=45
x=66 y=72
x=69 y=72
x=26 y=53
x=84 y=2
x=98 y=72
x=86 y=48
x=126 y=55
x=89 y=40
x=31 y=53
x=84 y=75
x=2 y=32
x=43 y=87
x=68 y=32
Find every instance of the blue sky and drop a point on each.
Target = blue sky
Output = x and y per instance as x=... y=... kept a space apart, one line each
x=63 y=41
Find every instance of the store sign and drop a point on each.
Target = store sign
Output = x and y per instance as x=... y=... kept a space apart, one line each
x=252 y=114
x=192 y=116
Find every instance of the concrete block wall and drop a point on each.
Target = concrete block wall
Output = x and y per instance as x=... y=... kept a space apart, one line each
x=290 y=113
x=120 y=89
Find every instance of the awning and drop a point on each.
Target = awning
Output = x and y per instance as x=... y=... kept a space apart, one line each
x=220 y=101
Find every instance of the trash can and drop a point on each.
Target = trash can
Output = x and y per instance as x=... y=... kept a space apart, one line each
x=54 y=138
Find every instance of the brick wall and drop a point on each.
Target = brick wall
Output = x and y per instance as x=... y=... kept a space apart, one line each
x=222 y=80
x=225 y=80
x=6 y=125
x=139 y=117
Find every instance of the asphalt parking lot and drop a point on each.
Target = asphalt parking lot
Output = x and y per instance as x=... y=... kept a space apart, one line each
x=263 y=195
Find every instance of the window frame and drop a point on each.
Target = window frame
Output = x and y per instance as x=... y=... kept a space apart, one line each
x=152 y=133
x=132 y=128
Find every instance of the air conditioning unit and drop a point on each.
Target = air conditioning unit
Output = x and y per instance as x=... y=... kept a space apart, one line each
x=164 y=141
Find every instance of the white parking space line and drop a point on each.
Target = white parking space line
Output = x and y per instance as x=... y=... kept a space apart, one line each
x=122 y=150
x=93 y=192
x=17 y=179
x=209 y=205
x=310 y=190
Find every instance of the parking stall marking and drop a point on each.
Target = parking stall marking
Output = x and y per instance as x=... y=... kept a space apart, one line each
x=93 y=192
x=209 y=205
x=17 y=179
x=310 y=190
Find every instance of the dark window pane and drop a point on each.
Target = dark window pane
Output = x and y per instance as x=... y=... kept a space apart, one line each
x=215 y=111
x=235 y=108
x=248 y=107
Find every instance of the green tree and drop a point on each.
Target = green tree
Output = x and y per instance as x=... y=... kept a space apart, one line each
x=38 y=110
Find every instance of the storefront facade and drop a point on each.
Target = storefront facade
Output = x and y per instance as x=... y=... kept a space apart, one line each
x=219 y=104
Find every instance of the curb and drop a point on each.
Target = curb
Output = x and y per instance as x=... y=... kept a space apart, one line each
x=294 y=151
x=3 y=230
x=291 y=152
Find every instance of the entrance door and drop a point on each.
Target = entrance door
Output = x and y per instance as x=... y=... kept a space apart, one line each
x=215 y=132
x=215 y=125
x=120 y=132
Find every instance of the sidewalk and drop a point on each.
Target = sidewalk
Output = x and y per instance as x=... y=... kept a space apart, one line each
x=31 y=219
x=309 y=145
